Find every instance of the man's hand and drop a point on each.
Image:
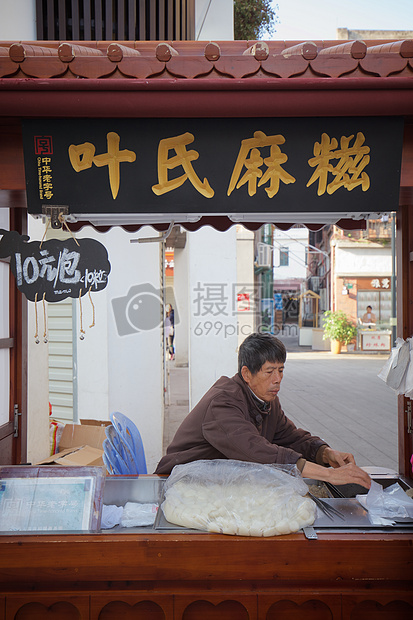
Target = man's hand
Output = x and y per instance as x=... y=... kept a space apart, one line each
x=339 y=474
x=349 y=473
x=337 y=459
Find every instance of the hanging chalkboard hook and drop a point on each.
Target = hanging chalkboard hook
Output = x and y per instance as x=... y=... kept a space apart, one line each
x=54 y=211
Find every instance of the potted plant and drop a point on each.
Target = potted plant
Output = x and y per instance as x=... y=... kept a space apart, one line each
x=339 y=328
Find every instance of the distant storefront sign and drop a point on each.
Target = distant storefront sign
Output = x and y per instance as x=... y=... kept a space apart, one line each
x=213 y=165
x=375 y=341
x=374 y=283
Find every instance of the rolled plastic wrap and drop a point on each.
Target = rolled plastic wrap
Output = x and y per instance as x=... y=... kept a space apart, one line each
x=237 y=497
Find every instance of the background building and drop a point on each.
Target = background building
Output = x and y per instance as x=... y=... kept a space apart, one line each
x=291 y=252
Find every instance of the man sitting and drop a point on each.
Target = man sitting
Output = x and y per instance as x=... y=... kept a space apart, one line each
x=241 y=418
x=368 y=316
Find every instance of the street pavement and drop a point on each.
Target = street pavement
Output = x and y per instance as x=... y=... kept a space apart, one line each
x=337 y=397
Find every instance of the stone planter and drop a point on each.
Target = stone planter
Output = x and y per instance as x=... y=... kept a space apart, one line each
x=335 y=346
x=319 y=344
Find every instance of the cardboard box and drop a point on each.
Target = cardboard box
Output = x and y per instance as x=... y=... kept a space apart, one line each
x=81 y=456
x=79 y=445
x=75 y=435
x=96 y=422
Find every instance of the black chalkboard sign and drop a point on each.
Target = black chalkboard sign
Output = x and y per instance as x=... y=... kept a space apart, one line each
x=55 y=269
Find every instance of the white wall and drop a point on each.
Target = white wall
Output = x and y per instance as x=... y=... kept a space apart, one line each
x=214 y=20
x=17 y=20
x=124 y=372
x=181 y=341
x=245 y=281
x=212 y=323
x=365 y=260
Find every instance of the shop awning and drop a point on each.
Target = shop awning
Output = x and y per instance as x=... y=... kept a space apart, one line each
x=198 y=80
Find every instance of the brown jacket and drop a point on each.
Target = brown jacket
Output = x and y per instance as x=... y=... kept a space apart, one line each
x=227 y=423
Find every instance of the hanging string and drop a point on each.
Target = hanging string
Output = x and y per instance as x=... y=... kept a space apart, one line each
x=63 y=221
x=82 y=331
x=36 y=337
x=44 y=234
x=93 y=309
x=45 y=336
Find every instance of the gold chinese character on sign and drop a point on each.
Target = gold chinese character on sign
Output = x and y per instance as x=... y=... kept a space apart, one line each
x=348 y=172
x=182 y=158
x=82 y=156
x=250 y=156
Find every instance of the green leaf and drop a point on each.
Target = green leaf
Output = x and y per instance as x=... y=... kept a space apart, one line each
x=253 y=19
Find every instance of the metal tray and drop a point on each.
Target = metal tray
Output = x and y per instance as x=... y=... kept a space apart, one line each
x=162 y=524
x=311 y=482
x=351 y=490
x=355 y=516
x=122 y=489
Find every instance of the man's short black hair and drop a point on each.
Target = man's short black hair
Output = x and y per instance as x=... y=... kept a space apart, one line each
x=258 y=349
x=369 y=307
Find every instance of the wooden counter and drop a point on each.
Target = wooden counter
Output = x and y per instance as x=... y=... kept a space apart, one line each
x=206 y=577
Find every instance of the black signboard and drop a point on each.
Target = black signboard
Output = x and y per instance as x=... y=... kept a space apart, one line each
x=214 y=165
x=55 y=269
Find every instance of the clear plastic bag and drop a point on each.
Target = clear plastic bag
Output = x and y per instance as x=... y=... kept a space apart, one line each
x=237 y=497
x=384 y=505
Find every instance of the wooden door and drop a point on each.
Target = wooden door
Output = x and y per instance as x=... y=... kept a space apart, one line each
x=13 y=354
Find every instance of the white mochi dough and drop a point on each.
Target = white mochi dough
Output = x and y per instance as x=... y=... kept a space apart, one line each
x=243 y=509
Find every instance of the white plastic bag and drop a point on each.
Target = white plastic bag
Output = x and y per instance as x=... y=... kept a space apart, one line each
x=385 y=505
x=394 y=370
x=111 y=516
x=237 y=497
x=138 y=515
x=406 y=386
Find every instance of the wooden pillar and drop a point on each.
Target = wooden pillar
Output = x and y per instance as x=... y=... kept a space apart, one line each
x=404 y=249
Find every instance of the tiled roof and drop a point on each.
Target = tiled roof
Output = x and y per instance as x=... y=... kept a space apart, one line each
x=233 y=60
x=370 y=78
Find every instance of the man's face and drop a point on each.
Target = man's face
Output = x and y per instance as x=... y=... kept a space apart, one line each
x=266 y=382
